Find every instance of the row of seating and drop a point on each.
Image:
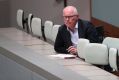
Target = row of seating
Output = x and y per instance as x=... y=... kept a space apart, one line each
x=48 y=31
x=104 y=53
x=34 y=26
x=100 y=54
x=24 y=23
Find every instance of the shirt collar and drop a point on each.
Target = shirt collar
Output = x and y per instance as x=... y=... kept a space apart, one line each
x=76 y=27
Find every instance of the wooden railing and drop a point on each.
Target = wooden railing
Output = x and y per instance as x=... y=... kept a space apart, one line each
x=109 y=29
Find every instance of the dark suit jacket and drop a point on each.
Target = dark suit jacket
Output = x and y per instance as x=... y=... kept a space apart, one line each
x=63 y=39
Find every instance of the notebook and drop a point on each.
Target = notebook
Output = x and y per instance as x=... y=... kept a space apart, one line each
x=63 y=56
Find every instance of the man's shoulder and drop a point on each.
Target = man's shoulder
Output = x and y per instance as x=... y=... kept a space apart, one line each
x=62 y=27
x=84 y=21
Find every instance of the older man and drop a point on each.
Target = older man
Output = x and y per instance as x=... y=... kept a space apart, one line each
x=73 y=29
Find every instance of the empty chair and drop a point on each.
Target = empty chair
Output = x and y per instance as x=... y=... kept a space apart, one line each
x=111 y=42
x=113 y=59
x=54 y=32
x=81 y=47
x=96 y=54
x=36 y=27
x=20 y=18
x=48 y=29
x=30 y=17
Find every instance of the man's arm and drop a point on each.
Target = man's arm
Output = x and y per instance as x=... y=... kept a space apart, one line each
x=59 y=45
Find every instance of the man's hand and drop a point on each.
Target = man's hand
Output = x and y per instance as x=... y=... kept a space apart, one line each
x=72 y=50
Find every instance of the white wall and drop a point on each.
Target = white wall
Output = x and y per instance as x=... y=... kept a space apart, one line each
x=4 y=13
x=83 y=7
x=47 y=9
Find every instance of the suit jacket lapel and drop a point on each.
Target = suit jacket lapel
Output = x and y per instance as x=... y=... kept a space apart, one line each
x=67 y=37
x=80 y=29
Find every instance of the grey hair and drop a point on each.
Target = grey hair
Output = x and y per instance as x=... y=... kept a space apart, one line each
x=73 y=8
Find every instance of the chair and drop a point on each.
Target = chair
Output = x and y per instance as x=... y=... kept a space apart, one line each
x=20 y=18
x=48 y=29
x=113 y=59
x=96 y=53
x=111 y=42
x=30 y=17
x=54 y=32
x=36 y=27
x=81 y=47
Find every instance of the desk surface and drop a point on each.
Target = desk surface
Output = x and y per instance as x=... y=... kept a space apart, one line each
x=39 y=47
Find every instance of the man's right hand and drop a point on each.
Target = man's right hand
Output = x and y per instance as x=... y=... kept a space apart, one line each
x=72 y=50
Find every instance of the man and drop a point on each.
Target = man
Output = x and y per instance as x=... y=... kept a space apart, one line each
x=73 y=29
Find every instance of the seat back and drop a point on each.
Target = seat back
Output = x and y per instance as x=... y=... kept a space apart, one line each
x=30 y=17
x=48 y=29
x=113 y=58
x=96 y=54
x=20 y=18
x=81 y=47
x=36 y=27
x=111 y=42
x=54 y=32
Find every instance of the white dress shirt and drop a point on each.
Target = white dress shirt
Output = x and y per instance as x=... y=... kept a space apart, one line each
x=74 y=35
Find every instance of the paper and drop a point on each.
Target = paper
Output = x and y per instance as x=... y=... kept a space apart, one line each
x=64 y=56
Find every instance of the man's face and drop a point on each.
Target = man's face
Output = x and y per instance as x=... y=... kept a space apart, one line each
x=70 y=19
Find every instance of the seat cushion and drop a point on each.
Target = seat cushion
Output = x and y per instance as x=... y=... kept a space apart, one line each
x=36 y=27
x=113 y=57
x=20 y=18
x=47 y=29
x=54 y=32
x=96 y=54
x=81 y=47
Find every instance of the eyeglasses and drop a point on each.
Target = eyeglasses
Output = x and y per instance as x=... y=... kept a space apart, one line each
x=69 y=17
